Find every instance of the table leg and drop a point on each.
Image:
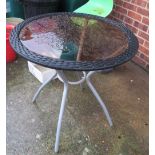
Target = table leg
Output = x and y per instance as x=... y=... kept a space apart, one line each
x=79 y=77
x=41 y=87
x=63 y=102
x=63 y=79
x=92 y=88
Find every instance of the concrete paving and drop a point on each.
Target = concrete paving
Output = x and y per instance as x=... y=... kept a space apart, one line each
x=85 y=131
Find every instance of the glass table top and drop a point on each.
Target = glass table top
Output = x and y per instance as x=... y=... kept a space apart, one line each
x=74 y=41
x=73 y=38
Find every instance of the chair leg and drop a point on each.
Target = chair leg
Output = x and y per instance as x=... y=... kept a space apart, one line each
x=63 y=103
x=92 y=88
x=41 y=87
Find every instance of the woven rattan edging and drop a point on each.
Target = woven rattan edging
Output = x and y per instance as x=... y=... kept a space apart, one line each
x=75 y=65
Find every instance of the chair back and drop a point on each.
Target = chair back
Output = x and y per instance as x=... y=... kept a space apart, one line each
x=97 y=7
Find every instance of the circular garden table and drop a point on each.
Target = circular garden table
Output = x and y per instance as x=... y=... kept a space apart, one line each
x=74 y=42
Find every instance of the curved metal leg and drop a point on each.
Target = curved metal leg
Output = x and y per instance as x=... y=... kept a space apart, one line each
x=98 y=97
x=41 y=87
x=63 y=102
x=63 y=79
x=79 y=77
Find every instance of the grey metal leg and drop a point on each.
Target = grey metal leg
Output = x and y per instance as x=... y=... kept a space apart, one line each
x=63 y=102
x=98 y=97
x=63 y=79
x=41 y=87
x=79 y=77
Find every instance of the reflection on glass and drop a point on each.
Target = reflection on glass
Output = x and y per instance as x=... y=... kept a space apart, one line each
x=73 y=38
